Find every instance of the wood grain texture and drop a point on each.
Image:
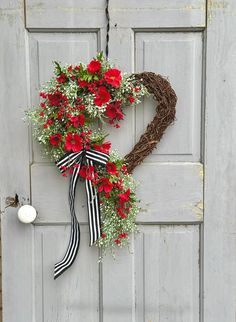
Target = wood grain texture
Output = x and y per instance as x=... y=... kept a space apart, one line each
x=220 y=155
x=146 y=14
x=173 y=193
x=161 y=277
x=159 y=281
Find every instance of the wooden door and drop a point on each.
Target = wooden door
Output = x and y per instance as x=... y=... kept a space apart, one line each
x=161 y=278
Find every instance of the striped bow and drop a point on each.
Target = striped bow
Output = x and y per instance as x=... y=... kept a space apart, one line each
x=77 y=159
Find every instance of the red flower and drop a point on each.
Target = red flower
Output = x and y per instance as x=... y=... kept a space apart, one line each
x=62 y=78
x=131 y=99
x=73 y=142
x=113 y=111
x=70 y=68
x=43 y=105
x=94 y=66
x=105 y=147
x=41 y=114
x=55 y=139
x=124 y=169
x=111 y=168
x=56 y=99
x=82 y=83
x=123 y=235
x=60 y=113
x=80 y=107
x=81 y=119
x=43 y=95
x=103 y=235
x=124 y=197
x=117 y=241
x=121 y=213
x=77 y=120
x=87 y=172
x=102 y=97
x=49 y=122
x=113 y=77
x=105 y=185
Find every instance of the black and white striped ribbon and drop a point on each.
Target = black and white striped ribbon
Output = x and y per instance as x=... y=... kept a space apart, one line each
x=77 y=159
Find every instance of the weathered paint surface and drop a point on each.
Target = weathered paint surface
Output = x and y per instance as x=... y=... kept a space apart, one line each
x=162 y=279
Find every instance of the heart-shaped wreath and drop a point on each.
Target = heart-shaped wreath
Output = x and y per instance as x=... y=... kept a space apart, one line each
x=71 y=104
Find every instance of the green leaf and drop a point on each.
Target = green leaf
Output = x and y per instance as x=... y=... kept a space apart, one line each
x=57 y=69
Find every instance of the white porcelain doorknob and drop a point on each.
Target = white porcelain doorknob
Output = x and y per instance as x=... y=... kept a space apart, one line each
x=27 y=214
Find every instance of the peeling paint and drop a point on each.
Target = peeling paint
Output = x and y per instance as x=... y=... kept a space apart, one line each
x=215 y=5
x=198 y=210
x=11 y=14
x=201 y=172
x=201 y=6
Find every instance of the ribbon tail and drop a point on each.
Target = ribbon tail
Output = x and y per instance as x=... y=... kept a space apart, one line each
x=74 y=242
x=93 y=210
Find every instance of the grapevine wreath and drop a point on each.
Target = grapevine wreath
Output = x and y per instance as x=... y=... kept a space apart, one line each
x=72 y=103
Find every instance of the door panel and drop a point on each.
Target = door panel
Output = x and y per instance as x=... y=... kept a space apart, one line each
x=178 y=56
x=75 y=297
x=160 y=282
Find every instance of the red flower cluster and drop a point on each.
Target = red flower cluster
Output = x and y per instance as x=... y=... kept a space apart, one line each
x=57 y=99
x=62 y=78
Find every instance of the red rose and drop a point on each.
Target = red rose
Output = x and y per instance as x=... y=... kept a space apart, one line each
x=41 y=114
x=124 y=197
x=102 y=97
x=94 y=66
x=117 y=241
x=105 y=185
x=55 y=139
x=87 y=172
x=103 y=235
x=73 y=142
x=113 y=77
x=62 y=78
x=111 y=168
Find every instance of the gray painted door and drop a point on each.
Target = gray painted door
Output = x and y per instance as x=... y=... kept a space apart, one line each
x=161 y=278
